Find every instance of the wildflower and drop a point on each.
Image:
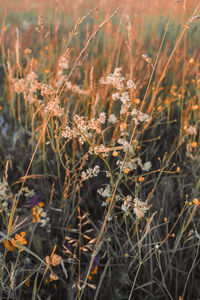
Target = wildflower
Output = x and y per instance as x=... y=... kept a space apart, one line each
x=141 y=179
x=159 y=108
x=19 y=240
x=147 y=166
x=127 y=170
x=196 y=201
x=123 y=126
x=90 y=173
x=63 y=63
x=54 y=108
x=195 y=107
x=102 y=117
x=99 y=149
x=108 y=174
x=112 y=119
x=131 y=85
x=139 y=116
x=54 y=260
x=94 y=268
x=8 y=245
x=115 y=153
x=137 y=100
x=35 y=200
x=39 y=215
x=126 y=102
x=140 y=208
x=115 y=96
x=106 y=193
x=193 y=144
x=115 y=79
x=190 y=130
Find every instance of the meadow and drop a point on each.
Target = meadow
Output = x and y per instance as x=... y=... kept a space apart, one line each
x=99 y=150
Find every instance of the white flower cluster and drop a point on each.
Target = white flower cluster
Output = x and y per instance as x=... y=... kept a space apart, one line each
x=112 y=119
x=105 y=192
x=126 y=102
x=43 y=219
x=45 y=89
x=99 y=149
x=146 y=166
x=127 y=204
x=54 y=108
x=191 y=130
x=115 y=79
x=27 y=86
x=131 y=85
x=140 y=208
x=139 y=116
x=30 y=85
x=82 y=128
x=133 y=164
x=63 y=63
x=5 y=196
x=90 y=173
x=115 y=96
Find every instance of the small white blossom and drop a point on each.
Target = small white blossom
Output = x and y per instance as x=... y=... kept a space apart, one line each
x=90 y=173
x=140 y=208
x=115 y=96
x=112 y=119
x=115 y=79
x=106 y=193
x=139 y=116
x=131 y=85
x=102 y=117
x=147 y=166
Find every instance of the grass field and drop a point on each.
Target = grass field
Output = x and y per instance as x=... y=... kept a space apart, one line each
x=99 y=150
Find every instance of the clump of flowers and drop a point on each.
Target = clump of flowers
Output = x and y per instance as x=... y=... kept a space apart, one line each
x=138 y=116
x=8 y=245
x=30 y=85
x=94 y=268
x=140 y=208
x=54 y=107
x=39 y=215
x=105 y=192
x=127 y=204
x=19 y=240
x=34 y=201
x=115 y=79
x=133 y=164
x=89 y=173
x=5 y=195
x=82 y=128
